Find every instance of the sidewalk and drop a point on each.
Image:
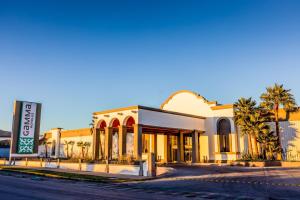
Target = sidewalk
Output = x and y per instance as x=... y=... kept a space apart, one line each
x=100 y=174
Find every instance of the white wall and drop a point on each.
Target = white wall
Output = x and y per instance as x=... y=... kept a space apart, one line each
x=121 y=115
x=153 y=118
x=191 y=103
x=76 y=149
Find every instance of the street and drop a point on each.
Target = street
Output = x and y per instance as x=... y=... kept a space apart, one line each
x=205 y=182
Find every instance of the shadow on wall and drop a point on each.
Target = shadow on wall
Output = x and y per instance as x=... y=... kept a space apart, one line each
x=289 y=132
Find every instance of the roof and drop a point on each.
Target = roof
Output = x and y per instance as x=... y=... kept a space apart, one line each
x=214 y=104
x=138 y=107
x=187 y=91
x=291 y=116
x=222 y=107
x=70 y=133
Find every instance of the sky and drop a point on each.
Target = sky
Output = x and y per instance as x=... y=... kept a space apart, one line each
x=79 y=57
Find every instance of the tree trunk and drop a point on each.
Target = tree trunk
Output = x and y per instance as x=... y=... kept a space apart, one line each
x=256 y=150
x=250 y=145
x=82 y=154
x=67 y=150
x=72 y=150
x=264 y=154
x=277 y=130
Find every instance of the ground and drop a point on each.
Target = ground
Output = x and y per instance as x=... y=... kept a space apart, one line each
x=199 y=182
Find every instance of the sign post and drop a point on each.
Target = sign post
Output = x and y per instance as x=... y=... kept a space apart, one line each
x=26 y=129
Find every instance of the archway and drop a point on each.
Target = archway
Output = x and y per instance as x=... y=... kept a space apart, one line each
x=100 y=140
x=115 y=124
x=224 y=129
x=129 y=122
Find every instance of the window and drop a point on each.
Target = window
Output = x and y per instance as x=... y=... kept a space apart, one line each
x=224 y=129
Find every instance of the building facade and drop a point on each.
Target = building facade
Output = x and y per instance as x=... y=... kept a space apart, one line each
x=186 y=128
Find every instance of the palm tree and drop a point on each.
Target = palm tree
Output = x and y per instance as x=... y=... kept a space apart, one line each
x=274 y=98
x=257 y=126
x=81 y=146
x=67 y=147
x=72 y=147
x=243 y=109
x=86 y=146
x=268 y=142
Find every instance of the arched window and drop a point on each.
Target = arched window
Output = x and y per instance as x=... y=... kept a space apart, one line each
x=224 y=129
x=101 y=125
x=130 y=121
x=115 y=123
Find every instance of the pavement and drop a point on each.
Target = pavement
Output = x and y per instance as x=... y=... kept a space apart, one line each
x=101 y=174
x=192 y=182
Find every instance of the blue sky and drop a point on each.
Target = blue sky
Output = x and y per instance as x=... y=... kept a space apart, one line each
x=80 y=57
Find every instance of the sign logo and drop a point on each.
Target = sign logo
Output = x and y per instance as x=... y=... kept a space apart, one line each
x=27 y=128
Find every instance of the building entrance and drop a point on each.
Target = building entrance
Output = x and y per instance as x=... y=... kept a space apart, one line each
x=188 y=148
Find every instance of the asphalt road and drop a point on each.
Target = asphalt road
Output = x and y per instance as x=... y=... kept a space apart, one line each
x=185 y=183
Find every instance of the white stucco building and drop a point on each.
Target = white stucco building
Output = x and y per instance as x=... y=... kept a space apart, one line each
x=186 y=128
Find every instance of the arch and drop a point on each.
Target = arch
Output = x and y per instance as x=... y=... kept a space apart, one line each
x=101 y=124
x=185 y=91
x=129 y=121
x=223 y=126
x=115 y=123
x=224 y=130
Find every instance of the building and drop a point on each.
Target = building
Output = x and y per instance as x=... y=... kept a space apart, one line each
x=4 y=143
x=186 y=128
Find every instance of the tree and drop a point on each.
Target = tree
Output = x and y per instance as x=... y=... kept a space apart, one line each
x=269 y=142
x=67 y=147
x=243 y=109
x=81 y=146
x=258 y=126
x=86 y=146
x=72 y=147
x=274 y=98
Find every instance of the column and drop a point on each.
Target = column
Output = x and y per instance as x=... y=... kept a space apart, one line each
x=217 y=143
x=96 y=143
x=153 y=145
x=166 y=148
x=122 y=141
x=181 y=148
x=56 y=133
x=195 y=147
x=108 y=142
x=137 y=141
x=233 y=142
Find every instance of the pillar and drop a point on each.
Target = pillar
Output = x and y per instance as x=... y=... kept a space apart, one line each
x=195 y=147
x=108 y=142
x=122 y=141
x=137 y=141
x=166 y=148
x=181 y=147
x=233 y=142
x=217 y=143
x=56 y=133
x=153 y=145
x=96 y=138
